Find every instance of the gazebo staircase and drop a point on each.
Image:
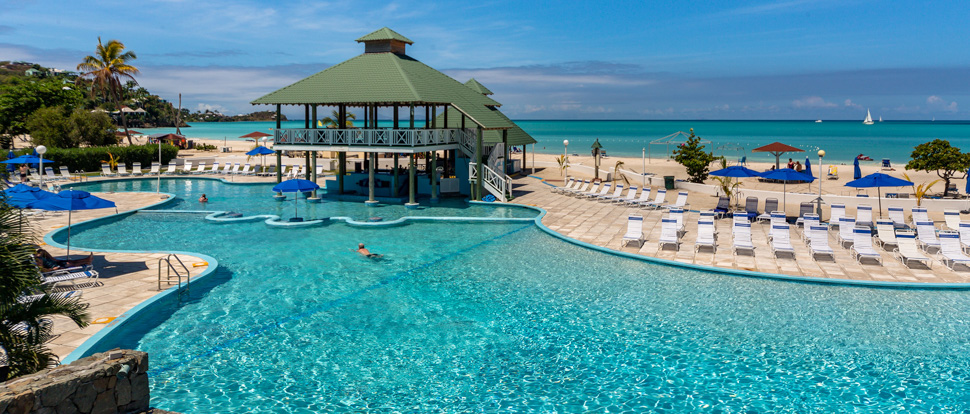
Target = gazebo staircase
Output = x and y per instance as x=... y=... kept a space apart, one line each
x=494 y=180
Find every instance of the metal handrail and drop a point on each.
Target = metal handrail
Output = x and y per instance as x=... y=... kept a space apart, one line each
x=171 y=268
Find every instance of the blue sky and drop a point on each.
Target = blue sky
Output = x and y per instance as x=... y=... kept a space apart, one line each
x=788 y=59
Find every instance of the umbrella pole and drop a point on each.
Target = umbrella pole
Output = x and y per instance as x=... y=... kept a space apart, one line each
x=879 y=194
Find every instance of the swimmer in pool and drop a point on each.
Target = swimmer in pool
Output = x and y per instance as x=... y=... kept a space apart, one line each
x=203 y=199
x=366 y=253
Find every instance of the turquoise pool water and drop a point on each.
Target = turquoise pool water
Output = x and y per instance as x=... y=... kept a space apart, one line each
x=503 y=317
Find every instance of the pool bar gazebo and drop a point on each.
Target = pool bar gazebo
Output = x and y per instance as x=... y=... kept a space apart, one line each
x=462 y=123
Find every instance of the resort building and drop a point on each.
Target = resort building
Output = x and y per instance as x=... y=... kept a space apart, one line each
x=445 y=137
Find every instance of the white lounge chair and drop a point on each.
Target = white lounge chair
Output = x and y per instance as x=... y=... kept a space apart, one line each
x=592 y=189
x=919 y=214
x=742 y=237
x=705 y=235
x=862 y=245
x=49 y=175
x=781 y=240
x=171 y=168
x=809 y=220
x=66 y=173
x=898 y=217
x=631 y=195
x=72 y=275
x=634 y=231
x=226 y=168
x=907 y=251
x=837 y=212
x=235 y=168
x=952 y=219
x=122 y=169
x=156 y=168
x=771 y=204
x=106 y=171
x=319 y=170
x=658 y=200
x=965 y=235
x=71 y=294
x=669 y=233
x=927 y=236
x=569 y=184
x=951 y=251
x=886 y=234
x=617 y=192
x=580 y=187
x=214 y=169
x=644 y=197
x=247 y=170
x=819 y=241
x=846 y=224
x=680 y=202
x=200 y=168
x=678 y=215
x=605 y=188
x=187 y=167
x=136 y=168
x=863 y=215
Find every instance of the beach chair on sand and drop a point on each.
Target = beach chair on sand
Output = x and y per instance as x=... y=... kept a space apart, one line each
x=705 y=235
x=617 y=192
x=952 y=219
x=669 y=234
x=950 y=250
x=644 y=197
x=136 y=168
x=781 y=240
x=634 y=231
x=658 y=200
x=742 y=237
x=927 y=236
x=836 y=214
x=886 y=165
x=630 y=196
x=771 y=204
x=201 y=168
x=863 y=215
x=907 y=250
x=862 y=245
x=106 y=171
x=886 y=235
x=170 y=169
x=680 y=202
x=898 y=217
x=846 y=224
x=819 y=241
x=833 y=173
x=722 y=207
x=156 y=168
x=919 y=214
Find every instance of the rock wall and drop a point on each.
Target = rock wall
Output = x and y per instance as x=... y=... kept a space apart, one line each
x=88 y=385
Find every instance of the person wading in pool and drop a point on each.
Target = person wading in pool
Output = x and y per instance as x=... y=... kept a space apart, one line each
x=364 y=252
x=203 y=199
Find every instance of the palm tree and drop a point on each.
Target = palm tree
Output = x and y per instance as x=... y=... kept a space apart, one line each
x=106 y=70
x=24 y=327
x=332 y=120
x=618 y=175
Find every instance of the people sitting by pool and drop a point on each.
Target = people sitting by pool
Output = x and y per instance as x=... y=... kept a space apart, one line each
x=203 y=199
x=46 y=262
x=366 y=253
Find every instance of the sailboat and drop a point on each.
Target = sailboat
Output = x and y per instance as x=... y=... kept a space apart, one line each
x=880 y=119
x=868 y=120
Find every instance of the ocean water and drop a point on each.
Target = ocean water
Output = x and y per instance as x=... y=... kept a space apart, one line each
x=841 y=140
x=465 y=317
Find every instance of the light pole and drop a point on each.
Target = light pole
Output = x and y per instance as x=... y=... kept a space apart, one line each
x=264 y=139
x=158 y=185
x=818 y=201
x=643 y=172
x=40 y=151
x=565 y=159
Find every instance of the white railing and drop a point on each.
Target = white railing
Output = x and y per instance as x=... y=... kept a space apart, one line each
x=372 y=137
x=499 y=185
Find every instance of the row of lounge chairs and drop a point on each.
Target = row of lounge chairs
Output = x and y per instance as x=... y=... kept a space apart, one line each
x=617 y=193
x=203 y=168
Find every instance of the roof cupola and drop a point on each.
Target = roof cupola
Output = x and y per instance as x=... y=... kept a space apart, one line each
x=385 y=40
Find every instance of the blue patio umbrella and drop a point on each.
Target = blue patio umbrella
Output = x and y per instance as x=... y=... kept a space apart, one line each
x=786 y=175
x=296 y=185
x=968 y=182
x=878 y=180
x=808 y=167
x=22 y=194
x=735 y=171
x=70 y=200
x=261 y=150
x=856 y=171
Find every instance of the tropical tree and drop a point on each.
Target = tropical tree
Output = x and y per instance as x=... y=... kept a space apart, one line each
x=563 y=163
x=332 y=121
x=729 y=186
x=618 y=175
x=24 y=326
x=106 y=70
x=692 y=156
x=920 y=191
x=940 y=157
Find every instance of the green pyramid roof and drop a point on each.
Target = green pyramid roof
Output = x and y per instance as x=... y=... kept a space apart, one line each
x=478 y=87
x=385 y=79
x=384 y=34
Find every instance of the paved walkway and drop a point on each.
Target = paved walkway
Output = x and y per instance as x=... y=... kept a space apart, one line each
x=604 y=224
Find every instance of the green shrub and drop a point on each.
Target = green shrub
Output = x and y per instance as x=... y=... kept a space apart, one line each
x=89 y=158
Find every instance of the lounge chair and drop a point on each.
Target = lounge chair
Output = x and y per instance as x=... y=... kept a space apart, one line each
x=136 y=168
x=898 y=217
x=569 y=184
x=951 y=251
x=965 y=235
x=592 y=188
x=886 y=165
x=952 y=219
x=778 y=217
x=319 y=170
x=771 y=204
x=201 y=168
x=669 y=233
x=803 y=209
x=919 y=214
x=846 y=224
x=59 y=295
x=833 y=173
x=247 y=170
x=617 y=193
x=66 y=173
x=886 y=235
x=235 y=169
x=605 y=188
x=70 y=275
x=750 y=209
x=106 y=171
x=862 y=245
x=705 y=235
x=214 y=169
x=680 y=202
x=781 y=240
x=170 y=169
x=581 y=186
x=927 y=236
x=863 y=215
x=630 y=196
x=269 y=171
x=634 y=231
x=837 y=212
x=187 y=167
x=907 y=250
x=156 y=168
x=226 y=168
x=723 y=206
x=658 y=200
x=49 y=175
x=742 y=237
x=122 y=170
x=818 y=236
x=644 y=197
x=809 y=220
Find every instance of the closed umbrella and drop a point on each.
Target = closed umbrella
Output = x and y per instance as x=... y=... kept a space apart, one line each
x=878 y=180
x=71 y=200
x=10 y=156
x=296 y=185
x=808 y=167
x=968 y=183
x=786 y=175
x=856 y=171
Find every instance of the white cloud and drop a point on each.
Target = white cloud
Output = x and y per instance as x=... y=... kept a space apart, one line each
x=813 y=102
x=850 y=104
x=936 y=102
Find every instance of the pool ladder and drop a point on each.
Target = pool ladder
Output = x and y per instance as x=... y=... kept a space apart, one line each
x=171 y=272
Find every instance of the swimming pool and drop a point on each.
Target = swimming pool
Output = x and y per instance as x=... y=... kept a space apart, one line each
x=502 y=316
